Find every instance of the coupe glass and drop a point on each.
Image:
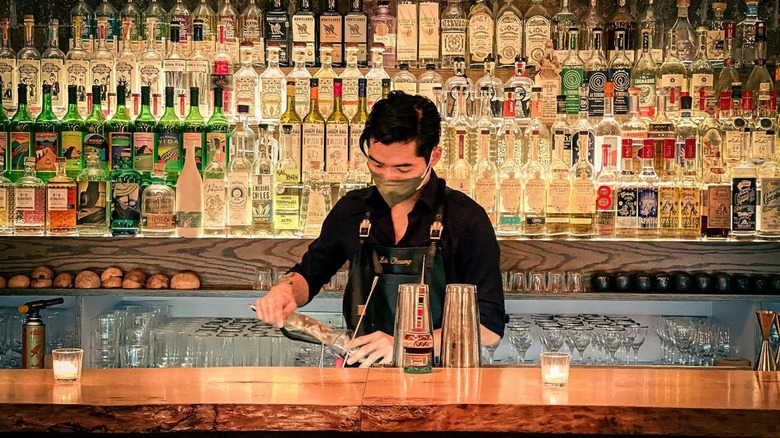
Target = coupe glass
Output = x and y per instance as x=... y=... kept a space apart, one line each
x=521 y=338
x=612 y=337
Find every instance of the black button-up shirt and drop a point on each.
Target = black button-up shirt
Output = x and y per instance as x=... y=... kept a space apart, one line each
x=468 y=246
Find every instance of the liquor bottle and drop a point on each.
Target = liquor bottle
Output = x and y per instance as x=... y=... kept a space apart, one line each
x=649 y=20
x=181 y=15
x=28 y=66
x=635 y=129
x=304 y=30
x=326 y=75
x=428 y=32
x=549 y=79
x=119 y=131
x=481 y=30
x=460 y=172
x=337 y=139
x=239 y=183
x=53 y=69
x=583 y=125
x=746 y=33
x=61 y=202
x=759 y=77
x=145 y=135
x=189 y=197
x=509 y=135
x=277 y=33
x=72 y=135
x=291 y=119
x=158 y=206
x=357 y=124
x=313 y=131
x=315 y=200
x=198 y=68
x=459 y=125
x=222 y=71
x=125 y=197
x=300 y=74
x=606 y=189
x=716 y=35
x=572 y=73
x=46 y=139
x=7 y=199
x=494 y=87
x=668 y=190
x=596 y=76
x=77 y=69
x=561 y=132
x=350 y=77
x=647 y=194
x=522 y=84
x=21 y=134
x=83 y=13
x=733 y=125
x=509 y=31
x=29 y=202
x=131 y=14
x=535 y=176
x=510 y=190
x=457 y=81
x=287 y=192
x=660 y=129
x=761 y=141
x=728 y=73
x=356 y=30
x=711 y=141
x=558 y=194
x=486 y=176
x=621 y=19
x=607 y=131
x=683 y=34
x=744 y=200
x=582 y=206
x=5 y=124
x=561 y=25
x=375 y=76
x=627 y=196
x=407 y=28
x=102 y=66
x=619 y=74
x=428 y=81
x=193 y=129
x=214 y=194
x=150 y=67
x=92 y=194
x=251 y=29
x=262 y=189
x=674 y=77
x=383 y=31
x=769 y=201
x=405 y=81
x=689 y=182
x=168 y=146
x=271 y=81
x=454 y=23
x=588 y=23
x=702 y=74
x=331 y=32
x=217 y=129
x=246 y=83
x=208 y=19
x=108 y=12
x=537 y=32
x=159 y=27
x=175 y=66
x=7 y=66
x=127 y=69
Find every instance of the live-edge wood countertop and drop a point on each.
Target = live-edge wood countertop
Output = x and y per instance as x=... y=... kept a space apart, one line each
x=619 y=401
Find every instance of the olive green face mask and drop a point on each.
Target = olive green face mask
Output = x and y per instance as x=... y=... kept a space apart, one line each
x=398 y=190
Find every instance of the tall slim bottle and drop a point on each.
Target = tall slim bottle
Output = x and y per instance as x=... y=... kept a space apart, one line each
x=125 y=197
x=53 y=69
x=93 y=195
x=744 y=194
x=626 y=197
x=168 y=148
x=217 y=129
x=7 y=199
x=72 y=135
x=239 y=185
x=304 y=30
x=596 y=76
x=356 y=30
x=28 y=67
x=20 y=134
x=61 y=202
x=583 y=197
x=47 y=138
x=29 y=202
x=290 y=118
x=189 y=198
x=647 y=194
x=119 y=131
x=7 y=66
x=193 y=128
x=644 y=77
x=537 y=32
x=509 y=31
x=145 y=135
x=331 y=30
x=428 y=32
x=251 y=29
x=313 y=131
x=454 y=23
x=336 y=139
x=277 y=31
x=407 y=28
x=357 y=124
x=481 y=30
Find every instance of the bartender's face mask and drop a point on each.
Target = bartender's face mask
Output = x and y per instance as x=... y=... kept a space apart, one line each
x=395 y=191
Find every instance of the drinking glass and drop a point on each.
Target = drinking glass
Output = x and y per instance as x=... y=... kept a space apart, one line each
x=519 y=282
x=262 y=279
x=521 y=338
x=552 y=337
x=135 y=356
x=537 y=282
x=683 y=339
x=575 y=282
x=556 y=282
x=581 y=337
x=612 y=338
x=639 y=339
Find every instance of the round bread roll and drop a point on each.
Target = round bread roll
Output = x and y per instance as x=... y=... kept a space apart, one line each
x=64 y=280
x=3 y=283
x=131 y=284
x=19 y=282
x=43 y=272
x=185 y=280
x=112 y=283
x=111 y=273
x=87 y=280
x=136 y=275
x=40 y=282
x=157 y=281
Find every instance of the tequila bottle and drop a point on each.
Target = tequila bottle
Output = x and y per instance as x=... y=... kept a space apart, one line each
x=277 y=31
x=627 y=196
x=217 y=129
x=208 y=20
x=558 y=194
x=159 y=26
x=608 y=129
x=459 y=125
x=715 y=29
x=668 y=190
x=158 y=206
x=647 y=194
x=313 y=131
x=492 y=85
x=660 y=129
x=287 y=187
x=428 y=32
x=131 y=14
x=83 y=13
x=688 y=184
x=408 y=25
x=562 y=24
x=127 y=69
x=383 y=31
x=304 y=31
x=404 y=80
x=350 y=77
x=271 y=86
x=746 y=33
x=251 y=29
x=644 y=77
x=214 y=194
x=728 y=74
x=145 y=135
x=354 y=179
x=549 y=79
x=537 y=33
x=8 y=79
x=454 y=23
x=28 y=66
x=763 y=135
x=460 y=172
x=108 y=12
x=732 y=126
x=510 y=190
x=572 y=73
x=596 y=76
x=588 y=23
x=481 y=30
x=561 y=131
x=336 y=138
x=331 y=31
x=246 y=83
x=375 y=76
x=509 y=135
x=53 y=69
x=759 y=77
x=301 y=76
x=223 y=71
x=60 y=202
x=619 y=73
x=194 y=127
x=93 y=194
x=744 y=200
x=535 y=177
x=29 y=202
x=198 y=68
x=683 y=34
x=150 y=70
x=648 y=20
x=356 y=31
x=239 y=182
x=583 y=196
x=326 y=76
x=21 y=134
x=702 y=75
x=674 y=78
x=635 y=129
x=7 y=199
x=72 y=134
x=181 y=15
x=356 y=126
x=769 y=201
x=5 y=124
x=102 y=67
x=443 y=164
x=537 y=126
x=621 y=19
x=262 y=189
x=175 y=66
x=428 y=81
x=521 y=84
x=315 y=200
x=453 y=85
x=486 y=177
x=290 y=118
x=582 y=126
x=125 y=197
x=606 y=189
x=46 y=139
x=168 y=146
x=189 y=198
x=509 y=31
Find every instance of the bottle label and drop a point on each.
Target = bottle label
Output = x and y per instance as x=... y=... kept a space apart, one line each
x=174 y=65
x=571 y=79
x=509 y=38
x=558 y=196
x=124 y=76
x=716 y=44
x=326 y=97
x=575 y=147
x=302 y=89
x=596 y=81
x=20 y=149
x=52 y=71
x=143 y=143
x=336 y=154
x=604 y=198
x=510 y=192
x=690 y=208
x=189 y=219
x=331 y=32
x=669 y=207
x=168 y=151
x=648 y=207
x=24 y=198
x=303 y=28
x=46 y=151
x=194 y=139
x=286 y=213
x=534 y=195
x=119 y=142
x=485 y=193
x=217 y=140
x=316 y=211
x=429 y=30
x=156 y=221
x=674 y=84
x=214 y=203
x=312 y=150
x=57 y=199
x=3 y=146
x=239 y=207
x=711 y=150
x=271 y=98
x=95 y=143
x=407 y=32
x=149 y=74
x=480 y=30
x=373 y=91
x=627 y=216
x=744 y=202
x=584 y=194
x=4 y=201
x=91 y=196
x=537 y=33
x=646 y=84
x=356 y=31
x=551 y=87
x=195 y=66
x=125 y=203
x=30 y=74
x=453 y=37
x=101 y=76
x=770 y=204
x=733 y=145
x=621 y=78
x=246 y=91
x=277 y=28
x=760 y=146
x=261 y=198
x=719 y=207
x=383 y=35
x=7 y=71
x=426 y=89
x=407 y=87
x=700 y=82
x=349 y=98
x=355 y=131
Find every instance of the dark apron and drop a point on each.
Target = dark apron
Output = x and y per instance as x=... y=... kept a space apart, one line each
x=394 y=266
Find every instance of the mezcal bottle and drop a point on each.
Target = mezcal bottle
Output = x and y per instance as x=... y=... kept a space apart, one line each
x=125 y=197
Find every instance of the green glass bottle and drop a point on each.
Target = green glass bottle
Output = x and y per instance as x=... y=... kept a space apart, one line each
x=125 y=195
x=47 y=138
x=95 y=139
x=5 y=123
x=119 y=130
x=72 y=134
x=168 y=147
x=145 y=135
x=194 y=127
x=217 y=130
x=20 y=134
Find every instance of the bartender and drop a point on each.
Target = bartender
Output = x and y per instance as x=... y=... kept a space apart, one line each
x=409 y=220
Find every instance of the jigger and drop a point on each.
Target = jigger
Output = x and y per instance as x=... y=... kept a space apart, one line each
x=766 y=361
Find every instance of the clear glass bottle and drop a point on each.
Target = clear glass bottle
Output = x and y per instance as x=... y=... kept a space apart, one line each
x=535 y=177
x=131 y=14
x=330 y=25
x=28 y=67
x=674 y=78
x=198 y=68
x=158 y=206
x=375 y=76
x=7 y=200
x=125 y=197
x=214 y=195
x=53 y=69
x=277 y=31
x=181 y=15
x=660 y=128
x=29 y=202
x=561 y=132
x=702 y=75
x=262 y=190
x=510 y=190
x=246 y=83
x=684 y=35
x=407 y=22
x=404 y=80
x=606 y=189
x=77 y=69
x=481 y=36
x=588 y=23
x=619 y=73
x=459 y=125
x=83 y=13
x=239 y=183
x=537 y=32
x=759 y=77
x=745 y=34
x=596 y=76
x=175 y=66
x=635 y=129
x=251 y=29
x=60 y=202
x=689 y=183
x=93 y=194
x=127 y=69
x=106 y=10
x=428 y=32
x=383 y=31
x=287 y=187
x=621 y=19
x=102 y=67
x=454 y=23
x=315 y=200
x=272 y=86
x=150 y=69
x=627 y=196
x=608 y=129
x=648 y=20
x=769 y=201
x=356 y=31
x=7 y=66
x=647 y=194
x=354 y=179
x=443 y=164
x=300 y=74
x=744 y=204
x=558 y=194
x=189 y=197
x=350 y=77
x=583 y=196
x=561 y=24
x=522 y=84
x=222 y=69
x=728 y=74
x=486 y=176
x=454 y=83
x=428 y=81
x=304 y=30
x=460 y=172
x=290 y=118
x=716 y=35
x=509 y=31
x=160 y=26
x=581 y=126
x=208 y=19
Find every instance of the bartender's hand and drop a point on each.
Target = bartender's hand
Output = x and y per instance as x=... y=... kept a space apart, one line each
x=369 y=349
x=277 y=305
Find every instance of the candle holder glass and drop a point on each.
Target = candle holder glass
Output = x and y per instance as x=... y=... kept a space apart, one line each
x=555 y=368
x=67 y=364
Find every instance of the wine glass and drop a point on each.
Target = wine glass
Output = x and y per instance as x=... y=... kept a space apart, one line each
x=581 y=337
x=683 y=339
x=639 y=339
x=521 y=338
x=552 y=337
x=612 y=337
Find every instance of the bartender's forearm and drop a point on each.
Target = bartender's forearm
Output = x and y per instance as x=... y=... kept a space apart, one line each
x=300 y=288
x=486 y=337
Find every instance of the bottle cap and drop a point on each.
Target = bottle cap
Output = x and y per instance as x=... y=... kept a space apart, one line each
x=243 y=109
x=686 y=102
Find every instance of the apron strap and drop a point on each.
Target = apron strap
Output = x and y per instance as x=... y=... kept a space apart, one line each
x=437 y=227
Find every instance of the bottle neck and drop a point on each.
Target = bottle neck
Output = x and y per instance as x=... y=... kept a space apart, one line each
x=60 y=169
x=28 y=35
x=314 y=95
x=682 y=12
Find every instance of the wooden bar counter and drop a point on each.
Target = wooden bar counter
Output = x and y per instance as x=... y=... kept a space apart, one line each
x=609 y=401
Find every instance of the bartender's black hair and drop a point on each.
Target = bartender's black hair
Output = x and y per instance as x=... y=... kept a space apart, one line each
x=403 y=117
